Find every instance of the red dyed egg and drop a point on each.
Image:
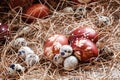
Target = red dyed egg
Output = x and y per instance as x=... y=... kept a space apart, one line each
x=53 y=44
x=36 y=11
x=84 y=32
x=84 y=49
x=4 y=33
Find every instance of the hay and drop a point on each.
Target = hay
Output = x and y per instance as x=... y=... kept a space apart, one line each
x=63 y=23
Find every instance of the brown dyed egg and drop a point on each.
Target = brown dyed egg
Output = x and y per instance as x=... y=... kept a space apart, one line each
x=84 y=32
x=84 y=49
x=20 y=3
x=36 y=11
x=53 y=44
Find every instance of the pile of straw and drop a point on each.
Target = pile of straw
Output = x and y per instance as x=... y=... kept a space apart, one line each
x=62 y=23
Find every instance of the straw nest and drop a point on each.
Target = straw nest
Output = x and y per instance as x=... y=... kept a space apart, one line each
x=62 y=23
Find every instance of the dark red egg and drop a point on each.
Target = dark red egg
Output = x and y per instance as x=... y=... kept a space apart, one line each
x=84 y=32
x=36 y=11
x=84 y=49
x=53 y=44
x=4 y=32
